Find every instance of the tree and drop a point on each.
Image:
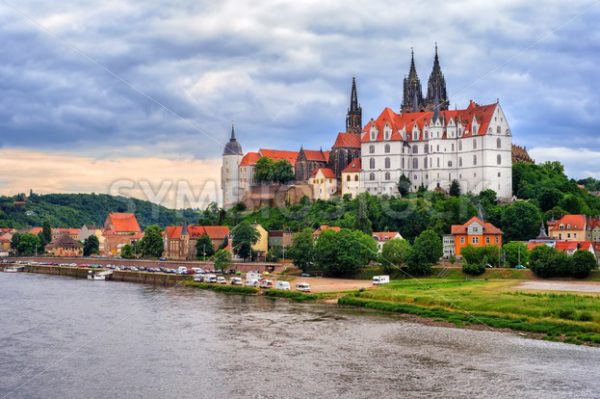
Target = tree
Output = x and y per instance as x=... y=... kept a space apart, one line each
x=521 y=221
x=363 y=223
x=283 y=172
x=474 y=269
x=47 y=231
x=426 y=251
x=454 y=188
x=27 y=244
x=572 y=204
x=582 y=263
x=91 y=246
x=244 y=237
x=487 y=197
x=263 y=171
x=275 y=253
x=222 y=259
x=301 y=252
x=151 y=244
x=394 y=254
x=127 y=252
x=515 y=253
x=204 y=247
x=404 y=185
x=344 y=253
x=548 y=198
x=540 y=261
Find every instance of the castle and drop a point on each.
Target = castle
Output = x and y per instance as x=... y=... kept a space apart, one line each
x=425 y=141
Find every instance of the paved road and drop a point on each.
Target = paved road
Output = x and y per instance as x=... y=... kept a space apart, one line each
x=573 y=286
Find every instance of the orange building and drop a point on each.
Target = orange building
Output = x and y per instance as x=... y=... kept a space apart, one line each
x=120 y=229
x=475 y=232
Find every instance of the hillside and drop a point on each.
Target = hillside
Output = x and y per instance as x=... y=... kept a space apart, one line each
x=74 y=210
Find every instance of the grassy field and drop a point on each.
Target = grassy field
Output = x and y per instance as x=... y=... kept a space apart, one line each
x=496 y=303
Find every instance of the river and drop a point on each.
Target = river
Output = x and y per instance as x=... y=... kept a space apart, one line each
x=67 y=338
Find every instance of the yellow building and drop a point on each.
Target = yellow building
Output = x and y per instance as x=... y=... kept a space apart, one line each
x=351 y=179
x=324 y=184
x=262 y=245
x=568 y=228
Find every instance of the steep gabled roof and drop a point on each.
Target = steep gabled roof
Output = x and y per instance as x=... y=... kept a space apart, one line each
x=250 y=159
x=195 y=231
x=347 y=140
x=278 y=155
x=324 y=227
x=316 y=155
x=488 y=228
x=327 y=173
x=575 y=222
x=386 y=235
x=353 y=167
x=123 y=223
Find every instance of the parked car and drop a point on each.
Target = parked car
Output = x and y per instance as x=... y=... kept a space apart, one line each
x=379 y=280
x=210 y=278
x=182 y=270
x=304 y=287
x=199 y=278
x=221 y=280
x=282 y=285
x=252 y=282
x=520 y=267
x=266 y=284
x=305 y=275
x=236 y=281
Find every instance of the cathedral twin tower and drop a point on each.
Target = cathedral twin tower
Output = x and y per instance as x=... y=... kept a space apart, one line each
x=413 y=100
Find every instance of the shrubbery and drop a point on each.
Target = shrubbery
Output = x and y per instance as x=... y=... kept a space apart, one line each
x=474 y=269
x=547 y=262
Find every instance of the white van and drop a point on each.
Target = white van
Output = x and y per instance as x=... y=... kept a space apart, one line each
x=210 y=278
x=304 y=287
x=282 y=285
x=378 y=280
x=252 y=282
x=182 y=270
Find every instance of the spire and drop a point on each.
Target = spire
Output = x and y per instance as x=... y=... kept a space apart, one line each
x=233 y=147
x=436 y=108
x=412 y=100
x=436 y=85
x=354 y=116
x=232 y=132
x=412 y=74
x=542 y=234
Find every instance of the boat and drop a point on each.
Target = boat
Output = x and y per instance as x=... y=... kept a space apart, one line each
x=98 y=275
x=11 y=269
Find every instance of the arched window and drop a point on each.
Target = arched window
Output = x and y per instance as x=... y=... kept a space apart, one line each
x=356 y=178
x=499 y=142
x=415 y=163
x=387 y=148
x=474 y=160
x=460 y=146
x=474 y=144
x=371 y=149
x=387 y=163
x=372 y=176
x=425 y=163
x=498 y=129
x=499 y=159
x=372 y=163
x=387 y=176
x=402 y=163
x=415 y=149
x=347 y=177
x=460 y=162
x=438 y=162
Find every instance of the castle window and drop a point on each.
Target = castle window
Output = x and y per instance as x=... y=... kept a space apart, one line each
x=460 y=146
x=499 y=142
x=475 y=129
x=415 y=136
x=474 y=144
x=499 y=159
x=460 y=162
x=372 y=176
x=498 y=129
x=387 y=176
x=387 y=163
x=426 y=148
x=348 y=178
x=356 y=178
x=438 y=162
x=415 y=163
x=452 y=147
x=474 y=160
x=371 y=149
x=402 y=163
x=449 y=164
x=438 y=148
x=387 y=148
x=425 y=164
x=415 y=149
x=372 y=163
x=426 y=135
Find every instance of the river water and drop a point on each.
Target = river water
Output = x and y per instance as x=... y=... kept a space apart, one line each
x=67 y=338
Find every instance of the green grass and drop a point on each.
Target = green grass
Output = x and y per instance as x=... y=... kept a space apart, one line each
x=568 y=317
x=450 y=273
x=293 y=295
x=231 y=289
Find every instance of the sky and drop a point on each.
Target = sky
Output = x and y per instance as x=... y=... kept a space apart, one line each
x=93 y=94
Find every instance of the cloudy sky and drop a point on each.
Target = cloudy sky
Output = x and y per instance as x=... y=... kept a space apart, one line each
x=92 y=93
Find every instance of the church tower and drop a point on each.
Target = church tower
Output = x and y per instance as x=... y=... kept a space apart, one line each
x=230 y=173
x=354 y=116
x=413 y=94
x=436 y=86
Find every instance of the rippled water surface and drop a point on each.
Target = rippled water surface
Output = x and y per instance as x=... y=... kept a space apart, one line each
x=69 y=338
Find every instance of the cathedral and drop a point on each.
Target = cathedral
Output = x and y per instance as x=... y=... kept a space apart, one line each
x=425 y=141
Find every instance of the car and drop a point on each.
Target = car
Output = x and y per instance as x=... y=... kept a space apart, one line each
x=133 y=269
x=251 y=282
x=520 y=267
x=221 y=280
x=303 y=287
x=488 y=266
x=266 y=284
x=210 y=278
x=162 y=259
x=305 y=275
x=236 y=281
x=282 y=285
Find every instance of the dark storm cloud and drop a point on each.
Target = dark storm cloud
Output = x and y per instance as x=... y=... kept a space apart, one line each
x=282 y=70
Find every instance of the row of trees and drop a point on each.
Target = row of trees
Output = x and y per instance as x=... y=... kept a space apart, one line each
x=269 y=171
x=546 y=262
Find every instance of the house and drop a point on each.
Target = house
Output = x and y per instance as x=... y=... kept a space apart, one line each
x=280 y=238
x=5 y=241
x=593 y=230
x=180 y=241
x=35 y=230
x=324 y=184
x=88 y=230
x=384 y=236
x=71 y=232
x=120 y=229
x=65 y=246
x=570 y=247
x=324 y=227
x=568 y=228
x=262 y=245
x=351 y=179
x=474 y=232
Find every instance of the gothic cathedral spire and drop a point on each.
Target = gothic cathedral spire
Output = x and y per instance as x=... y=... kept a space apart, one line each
x=436 y=86
x=354 y=117
x=413 y=94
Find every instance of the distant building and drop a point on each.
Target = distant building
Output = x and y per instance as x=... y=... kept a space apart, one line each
x=120 y=229
x=351 y=179
x=474 y=232
x=324 y=184
x=5 y=242
x=280 y=238
x=65 y=246
x=323 y=228
x=180 y=241
x=87 y=231
x=71 y=232
x=568 y=228
x=384 y=236
x=567 y=245
x=262 y=245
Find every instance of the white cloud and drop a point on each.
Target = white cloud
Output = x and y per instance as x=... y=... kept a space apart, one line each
x=579 y=162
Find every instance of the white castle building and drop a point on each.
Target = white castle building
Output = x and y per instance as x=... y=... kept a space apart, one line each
x=425 y=141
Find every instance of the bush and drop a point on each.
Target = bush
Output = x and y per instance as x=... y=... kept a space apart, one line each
x=582 y=263
x=473 y=269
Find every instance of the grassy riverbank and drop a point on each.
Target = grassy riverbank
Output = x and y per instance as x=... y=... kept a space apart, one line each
x=494 y=303
x=231 y=289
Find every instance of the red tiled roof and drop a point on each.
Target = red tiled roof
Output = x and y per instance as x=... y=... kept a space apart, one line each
x=324 y=227
x=347 y=140
x=216 y=232
x=278 y=155
x=316 y=156
x=36 y=230
x=69 y=231
x=353 y=167
x=386 y=235
x=576 y=222
x=327 y=173
x=123 y=222
x=4 y=239
x=488 y=228
x=195 y=231
x=250 y=159
x=481 y=113
x=573 y=246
